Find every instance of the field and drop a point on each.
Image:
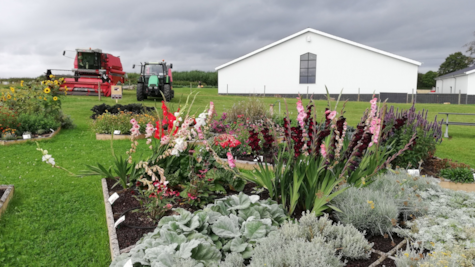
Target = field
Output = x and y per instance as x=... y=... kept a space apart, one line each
x=58 y=220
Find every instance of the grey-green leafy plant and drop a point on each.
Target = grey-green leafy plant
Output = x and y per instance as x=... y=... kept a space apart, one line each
x=367 y=209
x=231 y=225
x=460 y=175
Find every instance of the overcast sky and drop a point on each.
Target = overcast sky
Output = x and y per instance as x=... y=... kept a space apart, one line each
x=205 y=34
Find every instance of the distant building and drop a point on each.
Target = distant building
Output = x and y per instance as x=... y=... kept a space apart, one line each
x=462 y=81
x=313 y=60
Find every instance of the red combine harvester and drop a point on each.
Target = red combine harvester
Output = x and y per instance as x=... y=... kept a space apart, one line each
x=93 y=71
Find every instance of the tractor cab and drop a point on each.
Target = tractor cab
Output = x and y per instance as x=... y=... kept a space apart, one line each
x=89 y=59
x=155 y=80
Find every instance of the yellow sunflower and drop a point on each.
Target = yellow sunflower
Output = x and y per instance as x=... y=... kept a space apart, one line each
x=51 y=76
x=44 y=98
x=55 y=98
x=9 y=96
x=42 y=82
x=47 y=90
x=12 y=89
x=21 y=83
x=40 y=97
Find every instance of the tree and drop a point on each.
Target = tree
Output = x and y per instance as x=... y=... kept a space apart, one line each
x=454 y=62
x=428 y=80
x=133 y=77
x=471 y=47
x=420 y=83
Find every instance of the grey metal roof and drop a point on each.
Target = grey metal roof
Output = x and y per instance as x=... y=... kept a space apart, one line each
x=456 y=73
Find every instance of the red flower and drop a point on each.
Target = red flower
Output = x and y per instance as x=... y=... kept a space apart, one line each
x=225 y=140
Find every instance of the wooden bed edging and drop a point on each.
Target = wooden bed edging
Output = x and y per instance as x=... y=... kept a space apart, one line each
x=7 y=196
x=20 y=141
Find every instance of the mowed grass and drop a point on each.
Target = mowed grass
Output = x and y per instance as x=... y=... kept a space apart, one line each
x=58 y=220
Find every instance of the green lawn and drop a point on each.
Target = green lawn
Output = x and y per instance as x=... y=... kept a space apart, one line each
x=58 y=220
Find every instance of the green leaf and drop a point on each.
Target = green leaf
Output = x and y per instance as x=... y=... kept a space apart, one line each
x=239 y=202
x=185 y=248
x=225 y=228
x=206 y=253
x=254 y=230
x=249 y=212
x=238 y=245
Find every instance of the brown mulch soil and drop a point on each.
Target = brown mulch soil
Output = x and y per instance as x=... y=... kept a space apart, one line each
x=433 y=166
x=382 y=244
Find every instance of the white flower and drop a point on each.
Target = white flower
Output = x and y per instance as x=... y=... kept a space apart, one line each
x=174 y=152
x=176 y=114
x=46 y=157
x=180 y=119
x=51 y=161
x=202 y=115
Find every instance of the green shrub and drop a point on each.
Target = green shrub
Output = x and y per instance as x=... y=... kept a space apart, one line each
x=8 y=119
x=107 y=123
x=459 y=175
x=33 y=123
x=253 y=110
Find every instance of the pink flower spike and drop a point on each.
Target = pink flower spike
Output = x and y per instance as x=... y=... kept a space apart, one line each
x=332 y=115
x=323 y=150
x=374 y=101
x=231 y=160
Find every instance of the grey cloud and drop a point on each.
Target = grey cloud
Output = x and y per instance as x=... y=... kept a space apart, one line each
x=205 y=34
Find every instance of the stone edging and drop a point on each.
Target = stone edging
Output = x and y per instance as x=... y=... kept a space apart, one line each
x=9 y=189
x=113 y=242
x=246 y=165
x=117 y=136
x=11 y=142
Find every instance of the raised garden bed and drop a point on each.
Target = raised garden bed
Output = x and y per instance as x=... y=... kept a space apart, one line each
x=6 y=193
x=33 y=138
x=123 y=238
x=117 y=136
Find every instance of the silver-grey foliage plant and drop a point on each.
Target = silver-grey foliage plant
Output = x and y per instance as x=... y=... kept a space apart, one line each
x=231 y=225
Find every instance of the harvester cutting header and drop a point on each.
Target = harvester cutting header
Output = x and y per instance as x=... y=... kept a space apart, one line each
x=93 y=71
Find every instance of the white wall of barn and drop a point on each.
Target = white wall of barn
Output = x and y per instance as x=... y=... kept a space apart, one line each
x=453 y=85
x=339 y=66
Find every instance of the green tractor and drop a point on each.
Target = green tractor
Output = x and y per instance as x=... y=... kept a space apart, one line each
x=155 y=79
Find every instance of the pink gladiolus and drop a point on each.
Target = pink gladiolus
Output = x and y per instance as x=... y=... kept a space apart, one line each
x=165 y=140
x=374 y=101
x=149 y=130
x=323 y=150
x=133 y=121
x=302 y=115
x=231 y=160
x=200 y=133
x=332 y=115
x=211 y=110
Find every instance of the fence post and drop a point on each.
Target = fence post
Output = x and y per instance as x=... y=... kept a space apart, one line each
x=358 y=94
x=99 y=90
x=460 y=94
x=466 y=98
x=412 y=96
x=407 y=98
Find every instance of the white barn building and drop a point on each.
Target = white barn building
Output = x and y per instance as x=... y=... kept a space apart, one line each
x=461 y=81
x=311 y=60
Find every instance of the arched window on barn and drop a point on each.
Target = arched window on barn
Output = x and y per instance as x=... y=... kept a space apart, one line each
x=308 y=68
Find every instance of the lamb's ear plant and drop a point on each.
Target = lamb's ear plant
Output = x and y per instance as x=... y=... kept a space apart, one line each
x=232 y=225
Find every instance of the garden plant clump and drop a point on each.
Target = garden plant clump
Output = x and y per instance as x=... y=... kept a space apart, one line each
x=33 y=107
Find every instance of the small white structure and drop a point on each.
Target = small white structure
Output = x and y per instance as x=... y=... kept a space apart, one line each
x=312 y=60
x=460 y=81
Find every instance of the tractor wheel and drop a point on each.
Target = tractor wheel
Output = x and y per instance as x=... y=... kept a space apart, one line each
x=140 y=92
x=167 y=92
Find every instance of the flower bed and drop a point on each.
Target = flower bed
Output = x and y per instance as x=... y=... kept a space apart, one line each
x=32 y=109
x=6 y=194
x=36 y=137
x=345 y=202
